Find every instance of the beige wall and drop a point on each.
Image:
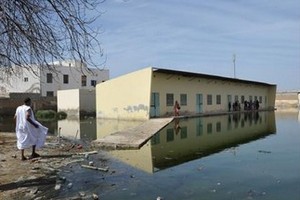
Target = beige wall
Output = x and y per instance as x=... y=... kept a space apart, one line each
x=177 y=84
x=108 y=126
x=75 y=101
x=140 y=159
x=87 y=100
x=68 y=101
x=127 y=96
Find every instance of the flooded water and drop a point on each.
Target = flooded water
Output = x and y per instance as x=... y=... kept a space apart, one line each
x=241 y=156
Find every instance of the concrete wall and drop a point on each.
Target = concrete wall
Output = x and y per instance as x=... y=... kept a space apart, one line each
x=143 y=94
x=8 y=105
x=68 y=101
x=87 y=101
x=177 y=84
x=125 y=97
x=76 y=102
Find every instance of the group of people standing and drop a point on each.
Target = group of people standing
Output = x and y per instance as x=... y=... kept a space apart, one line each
x=248 y=105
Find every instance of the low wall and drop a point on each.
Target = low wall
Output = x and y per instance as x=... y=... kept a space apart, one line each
x=77 y=102
x=287 y=100
x=8 y=105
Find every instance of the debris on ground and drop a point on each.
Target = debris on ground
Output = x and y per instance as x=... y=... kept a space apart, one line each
x=31 y=178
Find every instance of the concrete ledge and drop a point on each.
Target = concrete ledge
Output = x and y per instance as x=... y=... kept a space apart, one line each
x=132 y=138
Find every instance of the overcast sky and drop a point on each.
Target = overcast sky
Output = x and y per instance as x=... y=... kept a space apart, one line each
x=202 y=36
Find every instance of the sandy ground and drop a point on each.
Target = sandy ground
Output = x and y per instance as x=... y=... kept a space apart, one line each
x=31 y=179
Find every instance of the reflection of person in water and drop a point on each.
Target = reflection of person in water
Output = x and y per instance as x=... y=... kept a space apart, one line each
x=176 y=126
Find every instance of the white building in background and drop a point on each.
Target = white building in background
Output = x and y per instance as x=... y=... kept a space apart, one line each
x=68 y=75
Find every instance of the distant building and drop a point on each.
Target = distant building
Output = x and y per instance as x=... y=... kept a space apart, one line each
x=152 y=92
x=287 y=100
x=68 y=75
x=298 y=100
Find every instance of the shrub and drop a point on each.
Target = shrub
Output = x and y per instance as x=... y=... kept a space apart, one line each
x=45 y=115
x=61 y=115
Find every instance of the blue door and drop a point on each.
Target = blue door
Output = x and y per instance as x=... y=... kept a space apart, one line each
x=199 y=103
x=154 y=105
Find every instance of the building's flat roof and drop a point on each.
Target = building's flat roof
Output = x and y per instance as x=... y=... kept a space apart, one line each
x=192 y=74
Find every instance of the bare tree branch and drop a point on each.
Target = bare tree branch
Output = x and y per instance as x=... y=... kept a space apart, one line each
x=38 y=32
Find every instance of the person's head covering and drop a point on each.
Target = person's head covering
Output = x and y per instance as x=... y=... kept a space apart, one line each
x=27 y=100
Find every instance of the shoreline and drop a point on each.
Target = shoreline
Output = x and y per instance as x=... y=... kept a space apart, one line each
x=33 y=179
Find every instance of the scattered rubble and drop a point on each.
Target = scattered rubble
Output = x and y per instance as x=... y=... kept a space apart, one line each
x=33 y=179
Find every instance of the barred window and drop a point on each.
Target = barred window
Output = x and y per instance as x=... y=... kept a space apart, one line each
x=83 y=80
x=209 y=99
x=170 y=99
x=49 y=78
x=49 y=93
x=66 y=78
x=183 y=99
x=218 y=99
x=93 y=83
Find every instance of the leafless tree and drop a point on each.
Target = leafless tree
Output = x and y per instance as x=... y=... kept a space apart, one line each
x=41 y=31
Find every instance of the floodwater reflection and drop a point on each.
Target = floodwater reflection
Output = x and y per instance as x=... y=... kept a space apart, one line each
x=77 y=128
x=91 y=128
x=188 y=139
x=108 y=126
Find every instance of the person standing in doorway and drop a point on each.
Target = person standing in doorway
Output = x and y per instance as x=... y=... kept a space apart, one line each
x=30 y=133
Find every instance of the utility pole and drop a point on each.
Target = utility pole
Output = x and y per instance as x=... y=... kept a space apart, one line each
x=234 y=65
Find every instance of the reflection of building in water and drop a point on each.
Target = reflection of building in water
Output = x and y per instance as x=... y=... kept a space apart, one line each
x=78 y=129
x=198 y=137
x=108 y=126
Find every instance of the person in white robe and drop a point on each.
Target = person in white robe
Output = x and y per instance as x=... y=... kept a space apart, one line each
x=30 y=133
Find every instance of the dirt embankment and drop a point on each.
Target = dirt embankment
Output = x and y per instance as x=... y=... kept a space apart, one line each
x=31 y=179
